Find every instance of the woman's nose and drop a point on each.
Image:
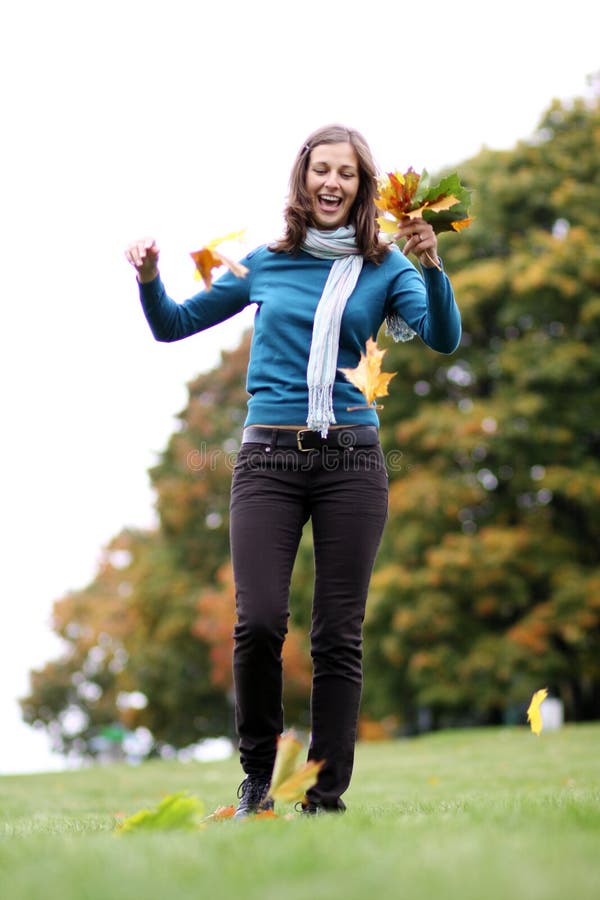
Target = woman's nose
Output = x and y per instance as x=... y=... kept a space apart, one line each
x=332 y=179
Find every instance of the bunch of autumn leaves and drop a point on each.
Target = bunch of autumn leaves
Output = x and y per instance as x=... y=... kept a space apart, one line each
x=400 y=196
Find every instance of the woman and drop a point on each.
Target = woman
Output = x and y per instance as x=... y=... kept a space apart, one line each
x=310 y=446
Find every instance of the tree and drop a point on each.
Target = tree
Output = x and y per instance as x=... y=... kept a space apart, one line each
x=130 y=658
x=487 y=585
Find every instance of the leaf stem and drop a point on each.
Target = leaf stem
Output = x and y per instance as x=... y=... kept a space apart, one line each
x=368 y=406
x=437 y=265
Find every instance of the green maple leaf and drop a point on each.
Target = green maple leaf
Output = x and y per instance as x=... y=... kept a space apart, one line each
x=177 y=812
x=445 y=219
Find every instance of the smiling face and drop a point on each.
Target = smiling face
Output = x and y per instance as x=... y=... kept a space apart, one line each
x=332 y=181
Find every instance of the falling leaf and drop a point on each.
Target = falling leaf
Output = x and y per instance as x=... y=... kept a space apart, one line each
x=367 y=376
x=288 y=783
x=295 y=787
x=288 y=749
x=208 y=258
x=205 y=261
x=534 y=713
x=176 y=812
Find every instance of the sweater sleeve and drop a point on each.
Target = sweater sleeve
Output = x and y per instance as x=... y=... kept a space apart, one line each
x=172 y=321
x=426 y=303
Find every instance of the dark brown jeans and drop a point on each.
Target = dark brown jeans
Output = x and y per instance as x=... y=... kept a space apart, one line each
x=274 y=493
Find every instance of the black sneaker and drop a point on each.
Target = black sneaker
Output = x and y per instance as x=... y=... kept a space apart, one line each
x=309 y=808
x=253 y=794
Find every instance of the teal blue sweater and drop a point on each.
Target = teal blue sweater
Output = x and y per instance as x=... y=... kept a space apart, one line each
x=286 y=290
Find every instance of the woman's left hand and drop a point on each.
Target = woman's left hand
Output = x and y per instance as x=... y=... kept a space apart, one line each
x=420 y=240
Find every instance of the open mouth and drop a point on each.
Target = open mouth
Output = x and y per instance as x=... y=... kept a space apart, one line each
x=329 y=202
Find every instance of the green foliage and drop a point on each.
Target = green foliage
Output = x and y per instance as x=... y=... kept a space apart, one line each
x=494 y=513
x=193 y=475
x=450 y=185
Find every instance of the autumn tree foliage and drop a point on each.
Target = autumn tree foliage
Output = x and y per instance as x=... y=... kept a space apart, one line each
x=487 y=585
x=127 y=638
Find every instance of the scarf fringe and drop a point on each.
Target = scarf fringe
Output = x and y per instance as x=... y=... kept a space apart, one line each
x=320 y=408
x=397 y=328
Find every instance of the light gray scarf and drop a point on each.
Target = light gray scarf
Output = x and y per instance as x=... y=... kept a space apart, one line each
x=339 y=245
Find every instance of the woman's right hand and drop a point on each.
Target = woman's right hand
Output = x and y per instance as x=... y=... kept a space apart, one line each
x=143 y=256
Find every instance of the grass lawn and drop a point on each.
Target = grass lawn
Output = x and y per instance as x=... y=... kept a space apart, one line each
x=493 y=814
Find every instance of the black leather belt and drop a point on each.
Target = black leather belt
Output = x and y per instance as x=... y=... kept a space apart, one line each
x=306 y=439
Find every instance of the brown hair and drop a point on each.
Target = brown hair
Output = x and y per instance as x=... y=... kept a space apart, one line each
x=298 y=211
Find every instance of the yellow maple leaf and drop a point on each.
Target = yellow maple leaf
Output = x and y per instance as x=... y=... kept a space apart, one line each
x=288 y=748
x=534 y=713
x=388 y=226
x=436 y=206
x=288 y=783
x=367 y=376
x=208 y=258
x=295 y=787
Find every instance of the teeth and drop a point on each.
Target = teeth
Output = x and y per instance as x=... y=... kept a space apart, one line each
x=331 y=198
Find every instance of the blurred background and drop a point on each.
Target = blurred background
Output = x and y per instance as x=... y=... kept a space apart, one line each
x=182 y=122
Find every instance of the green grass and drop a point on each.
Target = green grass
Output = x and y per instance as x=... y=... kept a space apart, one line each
x=487 y=814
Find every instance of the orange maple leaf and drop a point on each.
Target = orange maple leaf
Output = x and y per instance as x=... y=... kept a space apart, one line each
x=367 y=376
x=264 y=814
x=396 y=192
x=220 y=813
x=462 y=223
x=534 y=713
x=208 y=258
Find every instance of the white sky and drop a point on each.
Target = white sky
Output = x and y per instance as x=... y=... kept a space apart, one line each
x=181 y=120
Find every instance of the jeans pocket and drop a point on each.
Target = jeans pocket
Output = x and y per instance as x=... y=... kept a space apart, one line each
x=250 y=457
